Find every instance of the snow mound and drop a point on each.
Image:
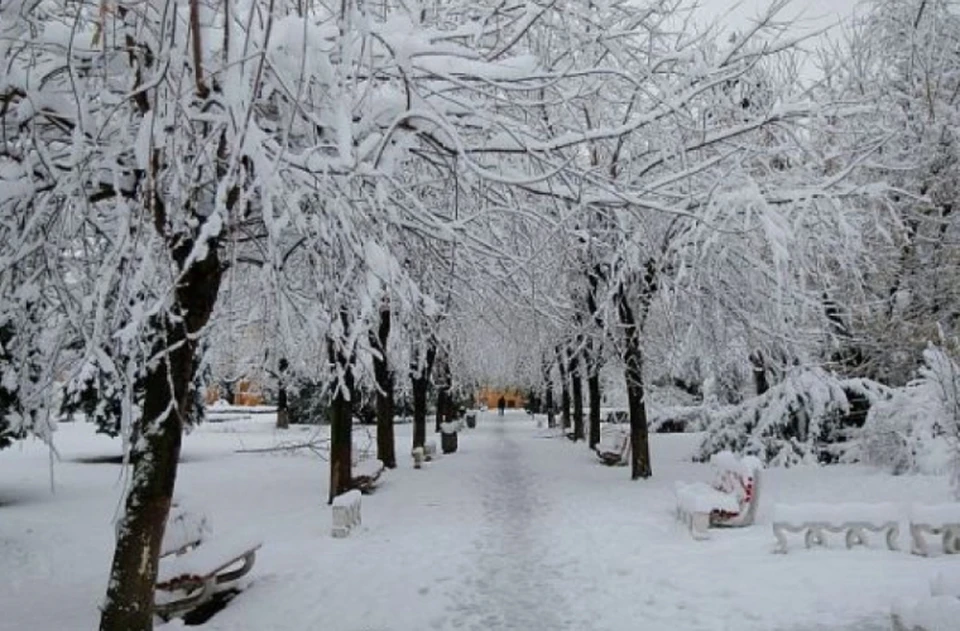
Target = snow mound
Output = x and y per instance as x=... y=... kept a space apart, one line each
x=937 y=613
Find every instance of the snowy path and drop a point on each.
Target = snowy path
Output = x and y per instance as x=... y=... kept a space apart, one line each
x=514 y=585
x=513 y=532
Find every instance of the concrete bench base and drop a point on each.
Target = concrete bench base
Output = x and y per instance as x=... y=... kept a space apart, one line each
x=949 y=533
x=346 y=513
x=855 y=532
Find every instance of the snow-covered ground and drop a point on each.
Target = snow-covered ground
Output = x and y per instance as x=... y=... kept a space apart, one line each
x=514 y=531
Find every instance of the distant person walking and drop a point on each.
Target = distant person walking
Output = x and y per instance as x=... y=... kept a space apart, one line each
x=501 y=406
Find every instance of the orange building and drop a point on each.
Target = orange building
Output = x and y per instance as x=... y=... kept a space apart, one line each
x=490 y=396
x=246 y=393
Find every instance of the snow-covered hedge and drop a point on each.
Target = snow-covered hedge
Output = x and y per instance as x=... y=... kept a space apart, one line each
x=800 y=420
x=677 y=418
x=917 y=429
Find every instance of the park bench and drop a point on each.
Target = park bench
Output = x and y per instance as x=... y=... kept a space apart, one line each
x=937 y=612
x=346 y=513
x=366 y=474
x=854 y=520
x=195 y=566
x=937 y=519
x=731 y=501
x=613 y=448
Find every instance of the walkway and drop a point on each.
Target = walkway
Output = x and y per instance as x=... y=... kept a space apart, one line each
x=514 y=532
x=515 y=585
x=517 y=532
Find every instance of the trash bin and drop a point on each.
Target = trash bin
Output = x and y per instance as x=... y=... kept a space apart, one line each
x=448 y=437
x=472 y=419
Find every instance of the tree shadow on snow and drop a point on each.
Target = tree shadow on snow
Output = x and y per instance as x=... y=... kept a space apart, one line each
x=116 y=459
x=21 y=496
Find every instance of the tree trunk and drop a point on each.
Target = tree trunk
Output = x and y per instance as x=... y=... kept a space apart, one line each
x=386 y=450
x=639 y=439
x=443 y=392
x=419 y=387
x=633 y=360
x=548 y=394
x=759 y=366
x=441 y=408
x=341 y=420
x=564 y=395
x=593 y=391
x=565 y=405
x=576 y=381
x=420 y=382
x=283 y=412
x=594 y=353
x=155 y=450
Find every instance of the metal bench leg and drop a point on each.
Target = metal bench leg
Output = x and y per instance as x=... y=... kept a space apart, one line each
x=232 y=575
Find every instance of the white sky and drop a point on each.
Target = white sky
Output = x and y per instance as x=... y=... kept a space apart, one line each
x=814 y=13
x=811 y=15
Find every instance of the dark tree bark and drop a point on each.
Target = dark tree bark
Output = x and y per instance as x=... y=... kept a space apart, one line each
x=632 y=324
x=386 y=449
x=168 y=402
x=341 y=418
x=444 y=401
x=283 y=409
x=564 y=391
x=420 y=383
x=759 y=366
x=576 y=383
x=593 y=391
x=594 y=354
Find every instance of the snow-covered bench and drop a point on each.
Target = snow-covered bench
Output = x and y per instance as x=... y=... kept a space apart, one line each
x=730 y=501
x=194 y=566
x=346 y=513
x=854 y=520
x=613 y=448
x=938 y=612
x=366 y=473
x=937 y=519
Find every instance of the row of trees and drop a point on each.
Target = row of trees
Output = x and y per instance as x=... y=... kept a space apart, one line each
x=810 y=225
x=338 y=193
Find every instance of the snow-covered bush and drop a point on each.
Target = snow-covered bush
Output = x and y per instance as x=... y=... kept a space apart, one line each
x=917 y=429
x=803 y=419
x=674 y=419
x=8 y=431
x=26 y=375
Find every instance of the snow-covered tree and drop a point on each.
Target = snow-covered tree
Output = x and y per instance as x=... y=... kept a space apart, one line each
x=800 y=420
x=901 y=68
x=918 y=428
